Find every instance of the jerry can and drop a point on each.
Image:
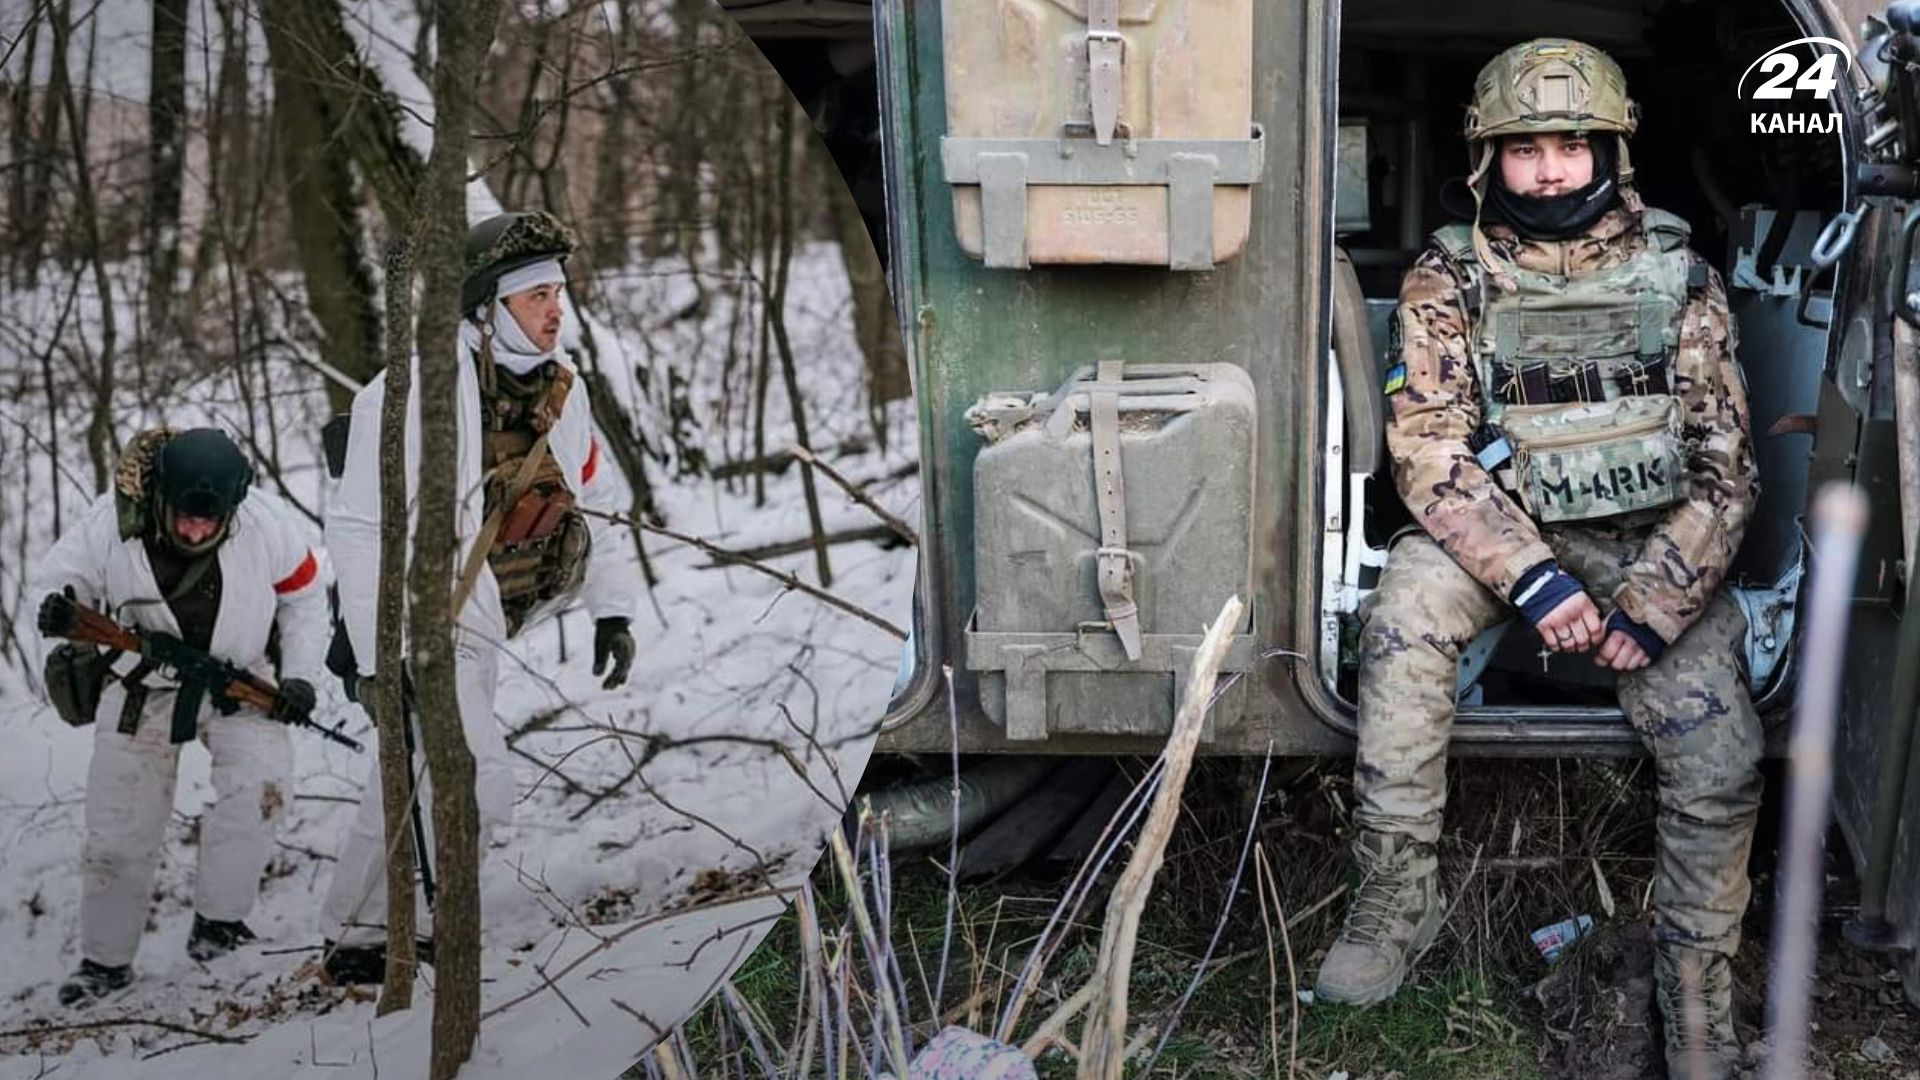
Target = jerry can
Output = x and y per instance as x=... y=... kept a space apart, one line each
x=1114 y=520
x=1101 y=131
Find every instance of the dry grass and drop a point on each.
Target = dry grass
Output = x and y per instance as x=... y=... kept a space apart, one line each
x=1526 y=844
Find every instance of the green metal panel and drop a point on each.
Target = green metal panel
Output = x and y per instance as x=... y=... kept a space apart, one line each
x=973 y=330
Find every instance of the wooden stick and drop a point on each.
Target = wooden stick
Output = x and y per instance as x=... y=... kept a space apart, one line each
x=876 y=533
x=1103 y=1043
x=887 y=518
x=123 y=1021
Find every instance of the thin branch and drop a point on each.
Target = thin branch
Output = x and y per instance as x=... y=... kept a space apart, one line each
x=887 y=517
x=790 y=581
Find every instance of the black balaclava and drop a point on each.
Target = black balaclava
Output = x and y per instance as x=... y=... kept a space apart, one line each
x=1558 y=217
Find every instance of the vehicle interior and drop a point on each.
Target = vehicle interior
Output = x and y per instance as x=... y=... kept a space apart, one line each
x=1756 y=203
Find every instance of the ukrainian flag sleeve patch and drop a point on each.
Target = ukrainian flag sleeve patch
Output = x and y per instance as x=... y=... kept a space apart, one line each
x=1396 y=380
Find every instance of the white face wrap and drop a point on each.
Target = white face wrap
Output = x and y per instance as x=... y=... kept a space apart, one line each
x=512 y=348
x=530 y=276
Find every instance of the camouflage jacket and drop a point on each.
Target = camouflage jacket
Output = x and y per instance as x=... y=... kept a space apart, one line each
x=1691 y=544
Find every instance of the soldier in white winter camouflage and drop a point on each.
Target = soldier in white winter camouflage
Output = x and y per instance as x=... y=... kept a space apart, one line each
x=1570 y=430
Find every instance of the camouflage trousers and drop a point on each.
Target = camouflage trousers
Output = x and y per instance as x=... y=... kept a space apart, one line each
x=1691 y=708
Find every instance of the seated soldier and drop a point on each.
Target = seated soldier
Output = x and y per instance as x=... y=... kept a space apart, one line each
x=1570 y=429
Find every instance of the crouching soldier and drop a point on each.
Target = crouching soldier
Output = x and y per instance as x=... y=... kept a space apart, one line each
x=1570 y=429
x=527 y=463
x=180 y=550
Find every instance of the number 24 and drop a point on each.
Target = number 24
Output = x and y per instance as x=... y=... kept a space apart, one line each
x=1819 y=80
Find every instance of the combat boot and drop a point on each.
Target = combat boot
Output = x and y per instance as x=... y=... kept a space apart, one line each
x=92 y=982
x=1395 y=914
x=1695 y=991
x=216 y=937
x=366 y=965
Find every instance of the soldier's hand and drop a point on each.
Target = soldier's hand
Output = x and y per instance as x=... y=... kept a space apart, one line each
x=295 y=701
x=52 y=619
x=612 y=640
x=1621 y=653
x=1630 y=645
x=1573 y=626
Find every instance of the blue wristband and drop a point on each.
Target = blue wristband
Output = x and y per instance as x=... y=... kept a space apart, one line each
x=1650 y=643
x=1543 y=588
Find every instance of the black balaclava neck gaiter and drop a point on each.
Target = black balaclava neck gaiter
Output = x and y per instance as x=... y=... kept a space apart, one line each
x=1558 y=217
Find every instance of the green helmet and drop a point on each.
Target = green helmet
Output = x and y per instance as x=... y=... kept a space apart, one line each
x=506 y=242
x=1550 y=84
x=199 y=473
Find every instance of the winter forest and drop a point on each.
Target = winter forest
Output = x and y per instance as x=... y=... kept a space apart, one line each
x=204 y=206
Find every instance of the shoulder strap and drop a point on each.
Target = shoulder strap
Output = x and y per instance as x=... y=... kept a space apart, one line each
x=1456 y=240
x=555 y=403
x=1667 y=232
x=483 y=543
x=191 y=576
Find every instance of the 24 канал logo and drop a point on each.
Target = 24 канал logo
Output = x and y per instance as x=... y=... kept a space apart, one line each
x=1781 y=78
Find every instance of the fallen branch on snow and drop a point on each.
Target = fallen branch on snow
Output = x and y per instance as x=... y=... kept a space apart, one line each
x=877 y=533
x=123 y=1021
x=791 y=581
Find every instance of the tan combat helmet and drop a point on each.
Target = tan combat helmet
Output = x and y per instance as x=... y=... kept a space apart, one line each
x=1547 y=84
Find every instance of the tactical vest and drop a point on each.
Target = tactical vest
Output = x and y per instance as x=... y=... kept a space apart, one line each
x=540 y=541
x=1576 y=374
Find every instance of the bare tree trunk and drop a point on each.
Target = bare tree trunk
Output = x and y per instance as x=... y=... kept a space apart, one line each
x=682 y=188
x=465 y=31
x=230 y=142
x=166 y=157
x=390 y=711
x=614 y=164
x=874 y=326
x=39 y=167
x=101 y=445
x=777 y=318
x=20 y=150
x=764 y=358
x=337 y=124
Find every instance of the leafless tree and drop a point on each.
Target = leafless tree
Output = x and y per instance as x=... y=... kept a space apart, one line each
x=465 y=31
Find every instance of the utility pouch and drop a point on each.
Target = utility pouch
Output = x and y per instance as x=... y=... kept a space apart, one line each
x=75 y=675
x=1597 y=459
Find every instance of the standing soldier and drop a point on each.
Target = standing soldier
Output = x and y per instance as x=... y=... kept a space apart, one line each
x=1570 y=429
x=181 y=547
x=527 y=463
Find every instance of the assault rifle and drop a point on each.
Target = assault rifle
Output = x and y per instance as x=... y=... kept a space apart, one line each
x=199 y=673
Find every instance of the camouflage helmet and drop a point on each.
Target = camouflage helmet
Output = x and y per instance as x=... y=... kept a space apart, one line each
x=506 y=242
x=1550 y=84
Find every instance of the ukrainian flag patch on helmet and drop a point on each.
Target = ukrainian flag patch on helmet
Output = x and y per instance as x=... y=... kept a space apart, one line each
x=1396 y=379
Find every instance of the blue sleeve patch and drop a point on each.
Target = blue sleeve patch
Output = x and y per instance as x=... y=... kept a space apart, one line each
x=1396 y=379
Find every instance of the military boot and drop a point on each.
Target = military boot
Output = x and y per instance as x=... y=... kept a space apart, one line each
x=1395 y=914
x=1695 y=991
x=366 y=965
x=216 y=937
x=92 y=982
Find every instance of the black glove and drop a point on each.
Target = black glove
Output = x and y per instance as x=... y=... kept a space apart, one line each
x=295 y=702
x=45 y=619
x=611 y=638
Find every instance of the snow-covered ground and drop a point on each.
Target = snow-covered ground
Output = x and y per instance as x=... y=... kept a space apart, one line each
x=726 y=656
